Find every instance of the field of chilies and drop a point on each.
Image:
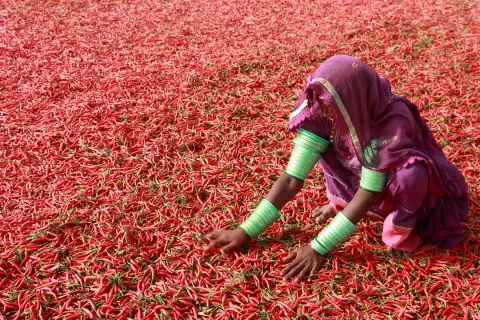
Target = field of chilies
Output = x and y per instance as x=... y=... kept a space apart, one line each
x=130 y=128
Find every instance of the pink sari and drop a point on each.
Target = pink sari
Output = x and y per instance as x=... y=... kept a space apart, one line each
x=346 y=102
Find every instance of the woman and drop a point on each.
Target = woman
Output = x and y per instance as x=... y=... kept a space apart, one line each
x=378 y=156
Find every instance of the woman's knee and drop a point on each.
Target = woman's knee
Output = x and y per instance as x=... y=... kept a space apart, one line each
x=414 y=178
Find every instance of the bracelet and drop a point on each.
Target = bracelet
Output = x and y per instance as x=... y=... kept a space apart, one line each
x=310 y=140
x=373 y=181
x=337 y=231
x=261 y=218
x=306 y=153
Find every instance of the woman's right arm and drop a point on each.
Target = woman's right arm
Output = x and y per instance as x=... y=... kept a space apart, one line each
x=306 y=153
x=284 y=189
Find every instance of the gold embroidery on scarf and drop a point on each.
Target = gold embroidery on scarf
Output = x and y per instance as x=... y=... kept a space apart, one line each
x=391 y=99
x=354 y=65
x=400 y=227
x=346 y=117
x=296 y=112
x=386 y=141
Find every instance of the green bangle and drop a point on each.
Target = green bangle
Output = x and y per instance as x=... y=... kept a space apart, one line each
x=306 y=153
x=318 y=247
x=261 y=218
x=337 y=231
x=373 y=181
x=310 y=140
x=302 y=162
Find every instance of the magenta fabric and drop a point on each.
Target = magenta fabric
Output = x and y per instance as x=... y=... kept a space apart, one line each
x=400 y=138
x=401 y=239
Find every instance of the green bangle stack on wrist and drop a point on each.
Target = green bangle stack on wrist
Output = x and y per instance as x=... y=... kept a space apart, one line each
x=261 y=218
x=373 y=181
x=337 y=231
x=307 y=151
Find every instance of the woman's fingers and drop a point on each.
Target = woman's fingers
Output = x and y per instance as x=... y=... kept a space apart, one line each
x=322 y=218
x=289 y=267
x=216 y=242
x=316 y=266
x=304 y=272
x=291 y=255
x=295 y=270
x=211 y=245
x=229 y=247
x=307 y=263
x=214 y=234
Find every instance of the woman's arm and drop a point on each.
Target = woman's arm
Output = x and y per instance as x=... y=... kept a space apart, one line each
x=360 y=204
x=284 y=189
x=308 y=261
x=306 y=153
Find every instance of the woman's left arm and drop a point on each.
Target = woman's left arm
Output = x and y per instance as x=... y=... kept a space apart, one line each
x=308 y=259
x=360 y=204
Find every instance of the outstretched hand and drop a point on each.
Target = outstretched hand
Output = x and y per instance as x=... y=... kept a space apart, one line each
x=228 y=240
x=307 y=263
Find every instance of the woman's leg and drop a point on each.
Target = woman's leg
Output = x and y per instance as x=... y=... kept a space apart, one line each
x=409 y=189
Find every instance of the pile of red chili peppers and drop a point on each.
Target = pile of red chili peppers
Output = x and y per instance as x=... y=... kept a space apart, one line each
x=130 y=128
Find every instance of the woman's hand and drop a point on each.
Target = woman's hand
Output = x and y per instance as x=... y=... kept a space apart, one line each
x=227 y=239
x=322 y=214
x=307 y=263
